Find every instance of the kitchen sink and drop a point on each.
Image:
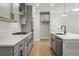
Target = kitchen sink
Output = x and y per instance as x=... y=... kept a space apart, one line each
x=59 y=33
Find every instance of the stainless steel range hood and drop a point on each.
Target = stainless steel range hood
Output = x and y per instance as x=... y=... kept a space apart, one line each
x=4 y=19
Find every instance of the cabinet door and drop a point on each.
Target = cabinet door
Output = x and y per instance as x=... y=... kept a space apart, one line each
x=19 y=48
x=6 y=51
x=44 y=16
x=15 y=11
x=28 y=45
x=23 y=14
x=5 y=10
x=53 y=42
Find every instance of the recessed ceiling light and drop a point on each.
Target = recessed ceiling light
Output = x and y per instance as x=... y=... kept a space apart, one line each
x=64 y=15
x=52 y=4
x=17 y=4
x=77 y=9
x=37 y=4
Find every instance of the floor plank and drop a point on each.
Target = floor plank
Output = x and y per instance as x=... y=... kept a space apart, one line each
x=41 y=48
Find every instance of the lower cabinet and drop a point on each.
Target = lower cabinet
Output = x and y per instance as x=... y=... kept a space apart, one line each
x=17 y=50
x=53 y=42
x=22 y=48
x=28 y=45
x=6 y=51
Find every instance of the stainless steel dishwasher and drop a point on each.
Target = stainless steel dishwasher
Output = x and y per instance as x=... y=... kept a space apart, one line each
x=58 y=46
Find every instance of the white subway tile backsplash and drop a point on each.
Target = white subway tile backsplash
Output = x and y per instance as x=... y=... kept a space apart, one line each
x=8 y=28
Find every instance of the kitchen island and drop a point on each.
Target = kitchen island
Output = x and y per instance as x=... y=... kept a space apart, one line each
x=14 y=45
x=65 y=45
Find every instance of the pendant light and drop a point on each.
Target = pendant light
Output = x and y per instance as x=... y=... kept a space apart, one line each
x=77 y=9
x=64 y=11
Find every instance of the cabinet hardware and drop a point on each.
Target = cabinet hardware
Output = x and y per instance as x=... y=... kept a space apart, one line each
x=20 y=45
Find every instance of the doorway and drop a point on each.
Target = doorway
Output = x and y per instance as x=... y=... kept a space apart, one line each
x=44 y=25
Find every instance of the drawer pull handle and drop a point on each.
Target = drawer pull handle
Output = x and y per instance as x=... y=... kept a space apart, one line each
x=27 y=43
x=26 y=39
x=20 y=45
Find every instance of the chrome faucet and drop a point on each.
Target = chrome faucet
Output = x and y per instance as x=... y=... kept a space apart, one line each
x=64 y=28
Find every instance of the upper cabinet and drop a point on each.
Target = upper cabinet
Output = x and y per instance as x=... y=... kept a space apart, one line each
x=5 y=10
x=45 y=16
x=22 y=8
x=9 y=12
x=15 y=11
x=23 y=13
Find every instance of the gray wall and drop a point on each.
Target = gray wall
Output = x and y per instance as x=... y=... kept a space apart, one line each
x=72 y=23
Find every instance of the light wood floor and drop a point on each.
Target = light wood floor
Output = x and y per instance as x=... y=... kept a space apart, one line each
x=41 y=48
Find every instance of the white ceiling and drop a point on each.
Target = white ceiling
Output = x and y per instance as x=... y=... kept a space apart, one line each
x=58 y=8
x=68 y=6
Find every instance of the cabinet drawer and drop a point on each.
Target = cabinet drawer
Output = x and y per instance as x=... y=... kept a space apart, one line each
x=29 y=37
x=19 y=46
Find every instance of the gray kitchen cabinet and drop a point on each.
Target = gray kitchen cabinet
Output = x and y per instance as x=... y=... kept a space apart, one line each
x=17 y=50
x=5 y=10
x=53 y=42
x=28 y=44
x=66 y=45
x=44 y=16
x=15 y=11
x=6 y=51
x=9 y=11
x=23 y=13
x=28 y=26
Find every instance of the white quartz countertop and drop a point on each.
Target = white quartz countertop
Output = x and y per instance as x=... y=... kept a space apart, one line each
x=67 y=35
x=12 y=40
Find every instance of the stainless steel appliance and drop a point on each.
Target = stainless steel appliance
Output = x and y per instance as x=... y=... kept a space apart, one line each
x=58 y=46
